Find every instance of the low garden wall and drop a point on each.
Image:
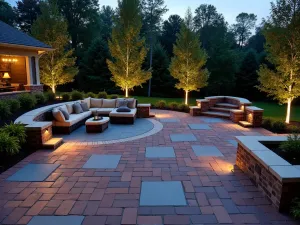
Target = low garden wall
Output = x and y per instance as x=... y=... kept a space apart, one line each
x=278 y=180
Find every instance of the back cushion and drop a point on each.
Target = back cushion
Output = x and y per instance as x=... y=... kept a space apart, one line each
x=87 y=101
x=96 y=103
x=58 y=115
x=77 y=108
x=109 y=103
x=64 y=107
x=121 y=102
x=69 y=108
x=131 y=103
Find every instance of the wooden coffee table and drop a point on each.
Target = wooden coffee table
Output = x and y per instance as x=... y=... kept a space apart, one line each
x=96 y=126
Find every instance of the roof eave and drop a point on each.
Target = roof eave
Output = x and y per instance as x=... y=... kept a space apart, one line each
x=26 y=47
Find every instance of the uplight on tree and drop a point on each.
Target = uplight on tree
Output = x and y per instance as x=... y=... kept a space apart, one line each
x=282 y=32
x=187 y=65
x=127 y=48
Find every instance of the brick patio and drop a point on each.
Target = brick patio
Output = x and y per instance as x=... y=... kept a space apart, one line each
x=214 y=192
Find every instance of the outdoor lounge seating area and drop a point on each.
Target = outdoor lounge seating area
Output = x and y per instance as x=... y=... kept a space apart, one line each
x=70 y=116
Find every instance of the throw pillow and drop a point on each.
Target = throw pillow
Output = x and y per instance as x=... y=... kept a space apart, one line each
x=77 y=108
x=84 y=107
x=121 y=103
x=70 y=108
x=109 y=103
x=123 y=109
x=87 y=101
x=65 y=112
x=131 y=103
x=58 y=115
x=96 y=103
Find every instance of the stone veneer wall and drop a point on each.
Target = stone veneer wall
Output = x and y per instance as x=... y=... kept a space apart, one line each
x=37 y=137
x=279 y=193
x=255 y=118
x=12 y=95
x=34 y=88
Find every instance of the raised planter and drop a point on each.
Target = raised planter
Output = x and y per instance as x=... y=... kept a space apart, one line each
x=274 y=176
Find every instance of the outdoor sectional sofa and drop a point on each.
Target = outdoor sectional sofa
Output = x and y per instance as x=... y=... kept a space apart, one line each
x=103 y=107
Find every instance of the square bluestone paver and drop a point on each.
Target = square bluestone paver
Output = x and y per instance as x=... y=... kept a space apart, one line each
x=233 y=142
x=199 y=126
x=102 y=162
x=162 y=193
x=56 y=220
x=169 y=120
x=33 y=172
x=160 y=152
x=212 y=120
x=182 y=137
x=203 y=150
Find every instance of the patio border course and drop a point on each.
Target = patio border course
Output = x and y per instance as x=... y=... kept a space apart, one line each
x=275 y=177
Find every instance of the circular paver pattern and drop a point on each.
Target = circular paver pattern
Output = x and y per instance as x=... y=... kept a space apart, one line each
x=115 y=133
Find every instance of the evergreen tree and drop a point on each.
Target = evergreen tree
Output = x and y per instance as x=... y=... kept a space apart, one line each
x=94 y=74
x=247 y=78
x=7 y=15
x=57 y=66
x=107 y=15
x=27 y=11
x=171 y=28
x=282 y=33
x=127 y=48
x=152 y=12
x=189 y=59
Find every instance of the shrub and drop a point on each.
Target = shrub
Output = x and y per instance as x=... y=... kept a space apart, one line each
x=295 y=209
x=27 y=101
x=114 y=96
x=8 y=144
x=183 y=107
x=173 y=105
x=40 y=98
x=50 y=95
x=267 y=123
x=278 y=126
x=161 y=104
x=4 y=110
x=102 y=94
x=15 y=130
x=293 y=129
x=76 y=95
x=14 y=105
x=65 y=96
x=292 y=145
x=91 y=95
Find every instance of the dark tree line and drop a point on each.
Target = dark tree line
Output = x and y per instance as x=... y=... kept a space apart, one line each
x=234 y=54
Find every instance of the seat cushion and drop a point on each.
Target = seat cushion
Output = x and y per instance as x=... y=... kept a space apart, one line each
x=102 y=111
x=109 y=103
x=74 y=118
x=114 y=113
x=96 y=103
x=87 y=101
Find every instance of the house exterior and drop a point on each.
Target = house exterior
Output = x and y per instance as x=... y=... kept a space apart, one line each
x=19 y=62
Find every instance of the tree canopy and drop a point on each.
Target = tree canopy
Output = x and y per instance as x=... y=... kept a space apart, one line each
x=7 y=15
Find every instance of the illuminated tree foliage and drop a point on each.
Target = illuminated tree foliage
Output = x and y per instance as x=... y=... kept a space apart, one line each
x=282 y=33
x=127 y=48
x=57 y=67
x=189 y=60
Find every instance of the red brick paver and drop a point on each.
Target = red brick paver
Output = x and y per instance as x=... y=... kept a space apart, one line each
x=215 y=193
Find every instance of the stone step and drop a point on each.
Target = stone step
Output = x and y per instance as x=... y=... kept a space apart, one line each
x=216 y=114
x=219 y=109
x=245 y=124
x=226 y=105
x=53 y=143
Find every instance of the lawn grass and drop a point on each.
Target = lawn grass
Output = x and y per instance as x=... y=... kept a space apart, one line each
x=272 y=109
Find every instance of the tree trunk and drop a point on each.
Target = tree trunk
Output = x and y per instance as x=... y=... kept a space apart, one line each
x=186 y=97
x=126 y=92
x=53 y=89
x=288 y=112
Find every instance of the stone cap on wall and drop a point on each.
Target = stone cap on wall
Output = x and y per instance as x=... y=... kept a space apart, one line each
x=39 y=126
x=242 y=101
x=279 y=167
x=254 y=109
